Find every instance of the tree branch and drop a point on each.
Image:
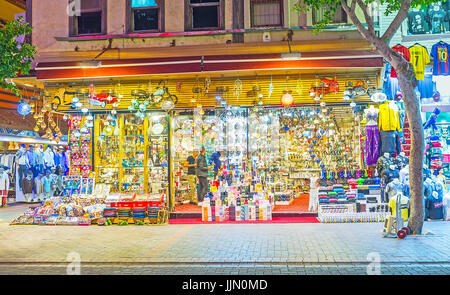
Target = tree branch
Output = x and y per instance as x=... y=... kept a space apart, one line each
x=351 y=13
x=395 y=24
x=367 y=16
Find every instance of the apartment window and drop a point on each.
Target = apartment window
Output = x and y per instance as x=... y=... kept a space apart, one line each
x=266 y=13
x=339 y=17
x=146 y=15
x=91 y=19
x=204 y=14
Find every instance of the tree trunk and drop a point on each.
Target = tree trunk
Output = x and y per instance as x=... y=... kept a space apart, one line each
x=407 y=83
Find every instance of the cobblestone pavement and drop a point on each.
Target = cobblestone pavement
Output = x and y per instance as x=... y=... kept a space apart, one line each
x=221 y=249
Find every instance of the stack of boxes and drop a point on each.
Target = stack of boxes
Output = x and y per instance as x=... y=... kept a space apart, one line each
x=241 y=210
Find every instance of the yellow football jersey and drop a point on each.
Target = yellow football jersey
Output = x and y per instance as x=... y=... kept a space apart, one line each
x=419 y=59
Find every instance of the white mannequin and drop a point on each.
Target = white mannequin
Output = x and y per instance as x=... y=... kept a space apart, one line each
x=402 y=154
x=371 y=111
x=392 y=167
x=404 y=174
x=4 y=186
x=386 y=155
x=49 y=160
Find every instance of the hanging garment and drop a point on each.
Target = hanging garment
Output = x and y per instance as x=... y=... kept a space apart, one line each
x=390 y=142
x=372 y=145
x=47 y=184
x=27 y=185
x=388 y=117
x=49 y=160
x=38 y=186
x=439 y=52
x=417 y=23
x=403 y=52
x=434 y=207
x=437 y=21
x=426 y=86
x=419 y=59
x=390 y=85
x=4 y=181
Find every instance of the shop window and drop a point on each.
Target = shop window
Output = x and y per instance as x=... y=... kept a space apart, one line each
x=204 y=14
x=431 y=19
x=146 y=15
x=339 y=17
x=90 y=20
x=266 y=13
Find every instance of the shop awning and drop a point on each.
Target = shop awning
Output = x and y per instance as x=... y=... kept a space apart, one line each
x=332 y=60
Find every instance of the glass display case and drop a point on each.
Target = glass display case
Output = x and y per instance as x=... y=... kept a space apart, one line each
x=131 y=153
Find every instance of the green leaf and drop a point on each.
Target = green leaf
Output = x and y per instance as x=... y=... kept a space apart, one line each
x=16 y=58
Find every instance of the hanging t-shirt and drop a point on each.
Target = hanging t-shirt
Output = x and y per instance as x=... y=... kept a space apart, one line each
x=403 y=52
x=435 y=207
x=417 y=23
x=437 y=19
x=419 y=59
x=439 y=52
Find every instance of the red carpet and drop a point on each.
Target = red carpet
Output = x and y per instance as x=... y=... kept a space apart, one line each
x=298 y=205
x=274 y=220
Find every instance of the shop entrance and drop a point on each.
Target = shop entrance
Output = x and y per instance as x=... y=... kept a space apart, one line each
x=272 y=152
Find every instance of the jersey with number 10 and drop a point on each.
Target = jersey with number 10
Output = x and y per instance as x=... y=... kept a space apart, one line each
x=439 y=52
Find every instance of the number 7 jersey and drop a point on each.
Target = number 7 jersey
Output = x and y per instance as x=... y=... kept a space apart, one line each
x=419 y=59
x=439 y=52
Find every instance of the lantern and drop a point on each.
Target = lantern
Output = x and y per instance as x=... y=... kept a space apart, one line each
x=24 y=109
x=287 y=99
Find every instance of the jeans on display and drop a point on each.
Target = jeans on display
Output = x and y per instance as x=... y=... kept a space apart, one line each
x=202 y=188
x=372 y=144
x=22 y=174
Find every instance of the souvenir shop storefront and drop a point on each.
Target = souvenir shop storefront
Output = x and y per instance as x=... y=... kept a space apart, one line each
x=287 y=141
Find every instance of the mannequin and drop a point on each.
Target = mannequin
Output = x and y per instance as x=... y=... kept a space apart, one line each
x=371 y=115
x=441 y=177
x=4 y=186
x=388 y=176
x=401 y=160
x=384 y=162
x=49 y=158
x=435 y=206
x=404 y=175
x=39 y=187
x=23 y=164
x=56 y=156
x=32 y=159
x=27 y=186
x=373 y=136
x=65 y=161
x=47 y=185
x=40 y=158
x=393 y=188
x=313 y=193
